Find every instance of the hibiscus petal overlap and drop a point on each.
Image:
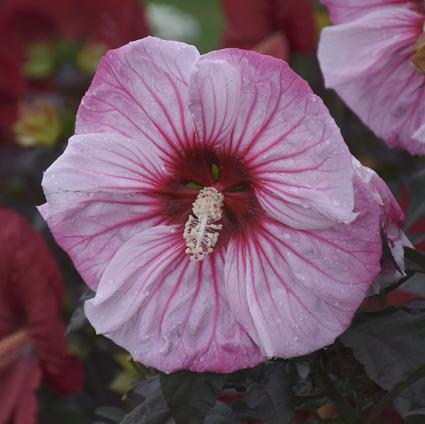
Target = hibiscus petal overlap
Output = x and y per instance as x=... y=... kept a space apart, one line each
x=288 y=252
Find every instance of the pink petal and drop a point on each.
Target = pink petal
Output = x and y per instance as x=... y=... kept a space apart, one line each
x=296 y=291
x=141 y=91
x=18 y=385
x=98 y=198
x=288 y=140
x=214 y=99
x=367 y=61
x=391 y=215
x=167 y=311
x=419 y=135
x=348 y=10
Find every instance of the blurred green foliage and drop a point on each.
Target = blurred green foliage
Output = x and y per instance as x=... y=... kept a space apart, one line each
x=209 y=16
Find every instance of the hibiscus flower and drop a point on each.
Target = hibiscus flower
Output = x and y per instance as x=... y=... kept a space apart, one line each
x=275 y=27
x=211 y=203
x=374 y=58
x=32 y=344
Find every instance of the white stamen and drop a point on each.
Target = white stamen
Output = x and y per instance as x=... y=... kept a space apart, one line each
x=201 y=231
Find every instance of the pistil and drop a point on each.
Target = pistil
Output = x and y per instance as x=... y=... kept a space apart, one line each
x=202 y=230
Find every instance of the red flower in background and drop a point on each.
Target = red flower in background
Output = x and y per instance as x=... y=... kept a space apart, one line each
x=12 y=87
x=275 y=27
x=112 y=22
x=24 y=23
x=32 y=343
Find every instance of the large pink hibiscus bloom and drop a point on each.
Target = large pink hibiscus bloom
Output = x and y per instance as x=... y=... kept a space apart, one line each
x=211 y=203
x=374 y=58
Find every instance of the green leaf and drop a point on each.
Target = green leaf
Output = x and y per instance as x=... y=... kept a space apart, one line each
x=66 y=51
x=416 y=375
x=110 y=413
x=271 y=395
x=236 y=188
x=153 y=409
x=215 y=171
x=221 y=414
x=243 y=412
x=194 y=186
x=390 y=345
x=190 y=396
x=40 y=61
x=415 y=258
x=346 y=410
x=419 y=411
x=416 y=209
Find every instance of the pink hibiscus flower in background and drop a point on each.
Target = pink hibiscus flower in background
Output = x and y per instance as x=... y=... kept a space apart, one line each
x=211 y=203
x=32 y=343
x=275 y=27
x=374 y=58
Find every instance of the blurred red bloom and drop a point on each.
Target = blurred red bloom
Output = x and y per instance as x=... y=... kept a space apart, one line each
x=12 y=87
x=32 y=343
x=23 y=23
x=275 y=27
x=112 y=22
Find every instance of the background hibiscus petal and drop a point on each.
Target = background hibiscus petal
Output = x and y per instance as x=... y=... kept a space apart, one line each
x=367 y=61
x=347 y=10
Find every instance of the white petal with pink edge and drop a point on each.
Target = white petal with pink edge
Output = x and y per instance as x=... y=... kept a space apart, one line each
x=167 y=311
x=286 y=137
x=295 y=291
x=141 y=91
x=368 y=63
x=97 y=196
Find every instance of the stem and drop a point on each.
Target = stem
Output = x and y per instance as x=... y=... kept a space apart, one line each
x=396 y=390
x=344 y=407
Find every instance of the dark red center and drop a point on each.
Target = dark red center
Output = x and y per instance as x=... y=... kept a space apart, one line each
x=208 y=168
